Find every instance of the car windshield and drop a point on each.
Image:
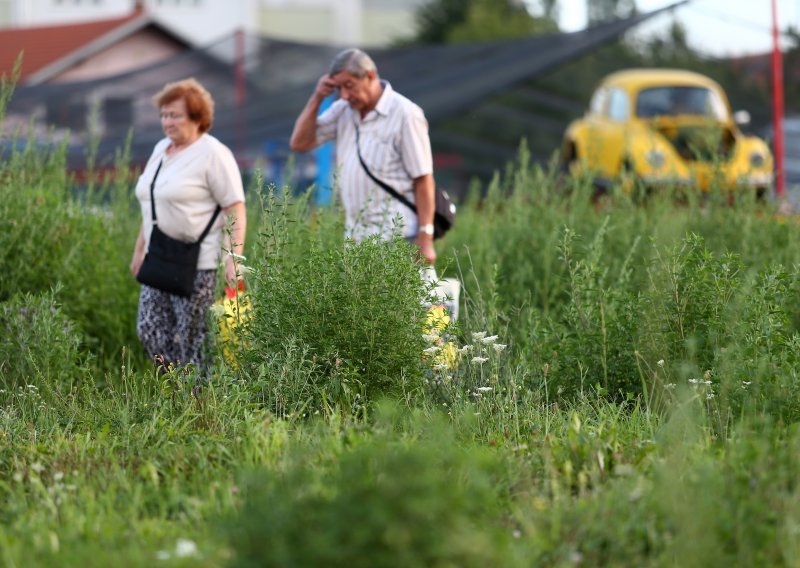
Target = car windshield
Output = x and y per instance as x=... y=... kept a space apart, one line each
x=673 y=101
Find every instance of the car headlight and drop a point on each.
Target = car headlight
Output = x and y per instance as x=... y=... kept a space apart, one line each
x=757 y=160
x=655 y=158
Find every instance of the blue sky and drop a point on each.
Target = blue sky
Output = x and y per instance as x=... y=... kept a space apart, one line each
x=715 y=27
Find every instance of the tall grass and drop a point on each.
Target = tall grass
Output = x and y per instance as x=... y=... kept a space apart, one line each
x=621 y=388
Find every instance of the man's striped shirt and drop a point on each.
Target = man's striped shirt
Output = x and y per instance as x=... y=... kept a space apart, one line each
x=394 y=143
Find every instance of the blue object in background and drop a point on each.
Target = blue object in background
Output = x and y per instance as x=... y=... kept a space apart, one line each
x=277 y=153
x=324 y=159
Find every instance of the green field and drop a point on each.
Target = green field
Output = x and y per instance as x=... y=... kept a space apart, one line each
x=643 y=411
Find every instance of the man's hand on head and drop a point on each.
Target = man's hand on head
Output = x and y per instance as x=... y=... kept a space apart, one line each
x=325 y=86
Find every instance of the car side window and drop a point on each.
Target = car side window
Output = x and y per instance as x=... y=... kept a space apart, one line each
x=716 y=107
x=618 y=105
x=597 y=106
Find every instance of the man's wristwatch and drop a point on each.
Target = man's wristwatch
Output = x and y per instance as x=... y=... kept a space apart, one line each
x=426 y=229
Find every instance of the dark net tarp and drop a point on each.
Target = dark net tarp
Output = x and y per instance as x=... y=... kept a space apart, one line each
x=260 y=85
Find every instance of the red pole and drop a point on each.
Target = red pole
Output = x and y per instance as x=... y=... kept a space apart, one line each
x=240 y=89
x=777 y=105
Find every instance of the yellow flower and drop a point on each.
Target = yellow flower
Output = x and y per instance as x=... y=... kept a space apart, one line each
x=232 y=310
x=438 y=318
x=448 y=355
x=441 y=354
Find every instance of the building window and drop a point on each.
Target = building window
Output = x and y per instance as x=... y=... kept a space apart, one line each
x=67 y=113
x=118 y=112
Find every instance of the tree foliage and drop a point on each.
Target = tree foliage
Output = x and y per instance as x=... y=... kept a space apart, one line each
x=605 y=10
x=457 y=21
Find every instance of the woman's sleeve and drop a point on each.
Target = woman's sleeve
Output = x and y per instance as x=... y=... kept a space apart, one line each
x=224 y=177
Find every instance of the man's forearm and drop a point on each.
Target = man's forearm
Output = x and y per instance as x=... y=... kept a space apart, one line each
x=424 y=187
x=304 y=135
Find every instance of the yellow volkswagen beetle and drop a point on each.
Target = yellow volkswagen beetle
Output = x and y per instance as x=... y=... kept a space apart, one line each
x=668 y=128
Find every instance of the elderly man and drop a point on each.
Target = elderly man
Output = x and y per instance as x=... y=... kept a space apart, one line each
x=374 y=124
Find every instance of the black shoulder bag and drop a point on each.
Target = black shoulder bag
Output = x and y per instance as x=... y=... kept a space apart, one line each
x=170 y=265
x=444 y=214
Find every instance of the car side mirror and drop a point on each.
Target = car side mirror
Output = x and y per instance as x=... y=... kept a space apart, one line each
x=741 y=117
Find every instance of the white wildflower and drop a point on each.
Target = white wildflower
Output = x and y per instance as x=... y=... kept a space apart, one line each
x=708 y=382
x=37 y=467
x=478 y=335
x=466 y=349
x=660 y=363
x=480 y=360
x=218 y=310
x=484 y=389
x=498 y=347
x=440 y=367
x=185 y=547
x=58 y=476
x=746 y=383
x=429 y=337
x=694 y=381
x=431 y=350
x=709 y=396
x=669 y=386
x=490 y=339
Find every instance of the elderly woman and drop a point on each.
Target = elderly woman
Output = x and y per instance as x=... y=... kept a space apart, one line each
x=189 y=175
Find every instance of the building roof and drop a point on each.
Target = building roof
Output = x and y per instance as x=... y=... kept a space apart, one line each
x=258 y=98
x=49 y=50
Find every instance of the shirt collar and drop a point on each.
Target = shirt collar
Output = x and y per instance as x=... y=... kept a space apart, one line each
x=382 y=107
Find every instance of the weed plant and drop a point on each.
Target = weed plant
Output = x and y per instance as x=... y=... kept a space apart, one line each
x=421 y=501
x=336 y=324
x=48 y=237
x=622 y=388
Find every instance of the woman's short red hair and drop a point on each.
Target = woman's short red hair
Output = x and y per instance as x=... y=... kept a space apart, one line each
x=199 y=104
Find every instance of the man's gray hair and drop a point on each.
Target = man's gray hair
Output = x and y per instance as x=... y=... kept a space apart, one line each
x=354 y=61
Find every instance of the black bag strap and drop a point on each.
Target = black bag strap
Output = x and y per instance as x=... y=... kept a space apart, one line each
x=153 y=199
x=388 y=188
x=153 y=206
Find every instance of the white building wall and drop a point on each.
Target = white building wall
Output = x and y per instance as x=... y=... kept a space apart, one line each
x=46 y=12
x=342 y=22
x=200 y=21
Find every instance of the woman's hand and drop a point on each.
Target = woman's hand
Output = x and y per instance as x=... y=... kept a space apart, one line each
x=232 y=272
x=136 y=262
x=138 y=253
x=234 y=242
